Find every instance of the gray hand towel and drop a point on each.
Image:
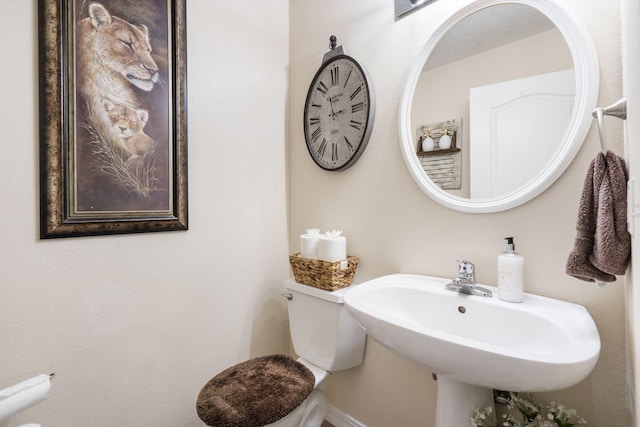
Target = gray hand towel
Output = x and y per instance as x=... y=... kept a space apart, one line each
x=602 y=247
x=612 y=242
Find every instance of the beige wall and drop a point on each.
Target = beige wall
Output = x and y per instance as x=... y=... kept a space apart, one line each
x=393 y=227
x=134 y=325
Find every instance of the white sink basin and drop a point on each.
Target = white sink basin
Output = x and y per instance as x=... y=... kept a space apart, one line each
x=539 y=345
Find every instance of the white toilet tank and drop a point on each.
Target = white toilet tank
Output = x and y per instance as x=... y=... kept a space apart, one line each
x=322 y=331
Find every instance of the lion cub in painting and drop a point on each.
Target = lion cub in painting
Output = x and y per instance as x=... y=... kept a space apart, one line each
x=127 y=129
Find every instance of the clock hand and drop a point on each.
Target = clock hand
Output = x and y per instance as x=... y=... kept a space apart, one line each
x=333 y=113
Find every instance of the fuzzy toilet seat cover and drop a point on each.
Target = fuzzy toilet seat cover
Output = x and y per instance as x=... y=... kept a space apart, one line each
x=255 y=393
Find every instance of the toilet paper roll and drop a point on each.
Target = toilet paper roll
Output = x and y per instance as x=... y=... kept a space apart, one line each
x=309 y=246
x=23 y=395
x=309 y=243
x=332 y=248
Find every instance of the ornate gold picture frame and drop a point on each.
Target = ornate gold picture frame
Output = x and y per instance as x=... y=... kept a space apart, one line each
x=113 y=134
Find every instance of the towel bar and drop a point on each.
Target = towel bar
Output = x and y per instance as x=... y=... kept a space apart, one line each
x=617 y=109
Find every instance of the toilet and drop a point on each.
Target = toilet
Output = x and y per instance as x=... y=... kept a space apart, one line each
x=276 y=390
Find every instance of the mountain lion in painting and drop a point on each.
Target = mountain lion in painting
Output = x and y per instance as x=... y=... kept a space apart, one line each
x=113 y=56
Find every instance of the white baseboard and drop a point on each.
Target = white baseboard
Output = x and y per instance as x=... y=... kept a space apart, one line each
x=340 y=419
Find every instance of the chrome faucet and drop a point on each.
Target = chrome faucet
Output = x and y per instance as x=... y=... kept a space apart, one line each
x=465 y=283
x=465 y=271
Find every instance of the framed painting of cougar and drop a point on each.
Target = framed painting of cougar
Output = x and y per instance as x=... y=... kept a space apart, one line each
x=113 y=130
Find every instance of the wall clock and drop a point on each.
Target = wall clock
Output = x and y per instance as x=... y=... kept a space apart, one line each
x=339 y=111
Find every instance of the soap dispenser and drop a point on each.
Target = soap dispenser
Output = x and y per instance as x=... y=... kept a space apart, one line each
x=510 y=274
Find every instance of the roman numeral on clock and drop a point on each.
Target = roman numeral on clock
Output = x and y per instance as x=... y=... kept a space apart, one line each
x=349 y=144
x=323 y=147
x=316 y=134
x=356 y=92
x=334 y=152
x=335 y=76
x=314 y=121
x=346 y=81
x=322 y=88
x=356 y=125
x=357 y=107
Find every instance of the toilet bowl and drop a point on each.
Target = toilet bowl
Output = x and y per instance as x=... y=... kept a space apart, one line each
x=277 y=391
x=312 y=411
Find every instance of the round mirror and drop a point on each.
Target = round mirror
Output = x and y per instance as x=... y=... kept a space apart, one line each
x=498 y=103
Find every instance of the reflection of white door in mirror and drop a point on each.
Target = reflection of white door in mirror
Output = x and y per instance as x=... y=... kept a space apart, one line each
x=515 y=128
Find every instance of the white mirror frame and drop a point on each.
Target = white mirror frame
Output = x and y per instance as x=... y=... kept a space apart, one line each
x=587 y=76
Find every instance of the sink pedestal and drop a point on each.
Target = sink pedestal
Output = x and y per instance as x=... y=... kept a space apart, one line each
x=456 y=402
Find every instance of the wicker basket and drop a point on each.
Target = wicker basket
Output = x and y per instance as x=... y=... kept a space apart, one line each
x=321 y=274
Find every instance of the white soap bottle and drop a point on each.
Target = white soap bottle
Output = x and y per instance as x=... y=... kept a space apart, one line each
x=510 y=274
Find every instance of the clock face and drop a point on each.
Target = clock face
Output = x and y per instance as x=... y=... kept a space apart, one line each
x=338 y=114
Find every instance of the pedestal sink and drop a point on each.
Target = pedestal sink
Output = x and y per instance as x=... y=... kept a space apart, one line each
x=476 y=344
